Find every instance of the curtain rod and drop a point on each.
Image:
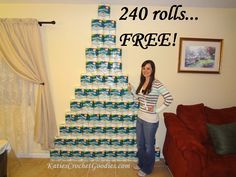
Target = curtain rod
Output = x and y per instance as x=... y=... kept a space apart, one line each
x=49 y=22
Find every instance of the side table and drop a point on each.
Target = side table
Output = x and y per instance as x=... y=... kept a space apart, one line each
x=4 y=148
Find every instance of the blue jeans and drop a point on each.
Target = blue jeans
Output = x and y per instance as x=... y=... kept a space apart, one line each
x=145 y=134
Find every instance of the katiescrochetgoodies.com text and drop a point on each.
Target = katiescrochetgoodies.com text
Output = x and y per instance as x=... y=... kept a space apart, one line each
x=86 y=165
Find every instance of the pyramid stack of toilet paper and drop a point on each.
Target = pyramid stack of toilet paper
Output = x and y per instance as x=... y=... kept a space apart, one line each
x=101 y=122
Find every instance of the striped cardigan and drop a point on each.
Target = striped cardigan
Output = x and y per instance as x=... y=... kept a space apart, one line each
x=151 y=99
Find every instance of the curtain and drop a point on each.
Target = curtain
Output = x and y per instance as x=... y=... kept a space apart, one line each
x=21 y=49
x=16 y=110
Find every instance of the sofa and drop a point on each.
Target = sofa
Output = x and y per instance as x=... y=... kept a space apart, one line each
x=192 y=150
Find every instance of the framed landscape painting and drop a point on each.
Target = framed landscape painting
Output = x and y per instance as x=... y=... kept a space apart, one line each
x=200 y=55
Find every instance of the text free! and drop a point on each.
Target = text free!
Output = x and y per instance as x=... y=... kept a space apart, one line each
x=150 y=39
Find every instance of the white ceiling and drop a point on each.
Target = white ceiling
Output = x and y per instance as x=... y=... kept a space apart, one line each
x=185 y=3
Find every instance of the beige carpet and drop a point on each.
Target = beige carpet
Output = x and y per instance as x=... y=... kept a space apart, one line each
x=30 y=167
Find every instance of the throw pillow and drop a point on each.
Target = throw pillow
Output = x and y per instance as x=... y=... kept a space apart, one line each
x=223 y=137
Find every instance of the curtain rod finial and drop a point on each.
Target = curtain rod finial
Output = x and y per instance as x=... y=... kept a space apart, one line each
x=47 y=22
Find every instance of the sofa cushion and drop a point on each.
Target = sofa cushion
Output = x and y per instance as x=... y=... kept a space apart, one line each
x=220 y=116
x=219 y=165
x=193 y=116
x=223 y=137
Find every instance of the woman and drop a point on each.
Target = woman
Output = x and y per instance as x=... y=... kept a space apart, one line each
x=147 y=93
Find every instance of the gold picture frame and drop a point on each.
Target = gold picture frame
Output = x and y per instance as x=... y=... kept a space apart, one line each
x=200 y=55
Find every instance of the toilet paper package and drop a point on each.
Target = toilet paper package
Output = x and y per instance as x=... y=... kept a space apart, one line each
x=86 y=134
x=127 y=96
x=116 y=120
x=111 y=155
x=87 y=155
x=110 y=106
x=79 y=93
x=122 y=81
x=97 y=132
x=81 y=118
x=115 y=93
x=106 y=119
x=86 y=120
x=99 y=106
x=109 y=27
x=103 y=54
x=97 y=40
x=91 y=54
x=111 y=132
x=91 y=93
x=70 y=143
x=115 y=54
x=91 y=67
x=76 y=130
x=75 y=105
x=109 y=40
x=102 y=67
x=131 y=132
x=97 y=26
x=55 y=154
x=59 y=142
x=115 y=68
x=104 y=11
x=80 y=143
x=133 y=106
x=94 y=119
x=64 y=130
x=69 y=116
x=88 y=106
x=104 y=143
x=122 y=132
x=99 y=80
x=66 y=154
x=128 y=119
x=78 y=155
x=86 y=80
x=114 y=143
x=100 y=155
x=94 y=143
x=121 y=155
x=131 y=155
x=122 y=106
x=110 y=80
x=104 y=94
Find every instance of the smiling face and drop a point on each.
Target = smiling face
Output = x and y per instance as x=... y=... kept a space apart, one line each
x=147 y=70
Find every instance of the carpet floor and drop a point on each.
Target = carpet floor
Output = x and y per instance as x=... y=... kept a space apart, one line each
x=32 y=167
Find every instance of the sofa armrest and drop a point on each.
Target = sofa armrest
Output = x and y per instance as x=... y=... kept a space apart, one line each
x=173 y=124
x=183 y=138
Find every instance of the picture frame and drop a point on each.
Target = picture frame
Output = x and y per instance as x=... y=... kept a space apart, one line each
x=200 y=55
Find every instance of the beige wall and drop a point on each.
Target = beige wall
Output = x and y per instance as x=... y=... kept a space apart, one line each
x=66 y=41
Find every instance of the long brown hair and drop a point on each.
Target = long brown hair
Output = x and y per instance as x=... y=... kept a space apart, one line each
x=142 y=78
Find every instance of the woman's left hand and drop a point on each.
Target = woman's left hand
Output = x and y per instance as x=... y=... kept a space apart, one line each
x=129 y=87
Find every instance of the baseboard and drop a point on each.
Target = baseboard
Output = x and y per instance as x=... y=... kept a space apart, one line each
x=41 y=155
x=33 y=155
